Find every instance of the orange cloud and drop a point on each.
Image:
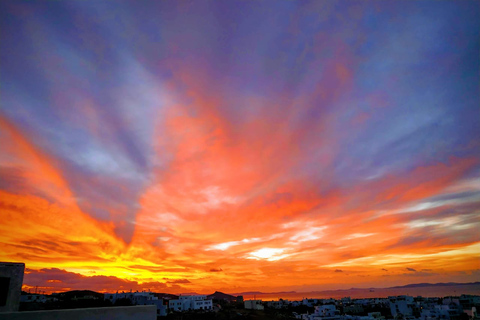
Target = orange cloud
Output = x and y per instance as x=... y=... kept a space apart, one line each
x=321 y=158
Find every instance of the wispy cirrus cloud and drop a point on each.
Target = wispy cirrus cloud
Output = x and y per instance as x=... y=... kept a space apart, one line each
x=196 y=143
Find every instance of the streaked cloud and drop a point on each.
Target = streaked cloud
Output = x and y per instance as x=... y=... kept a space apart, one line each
x=186 y=147
x=309 y=234
x=270 y=254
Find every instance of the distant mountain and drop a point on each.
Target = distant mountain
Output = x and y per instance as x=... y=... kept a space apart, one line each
x=413 y=285
x=189 y=293
x=222 y=296
x=250 y=293
x=166 y=296
x=80 y=294
x=441 y=284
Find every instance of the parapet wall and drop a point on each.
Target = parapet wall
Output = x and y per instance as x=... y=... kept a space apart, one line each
x=11 y=279
x=110 y=313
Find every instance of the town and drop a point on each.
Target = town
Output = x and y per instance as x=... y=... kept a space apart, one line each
x=90 y=305
x=224 y=306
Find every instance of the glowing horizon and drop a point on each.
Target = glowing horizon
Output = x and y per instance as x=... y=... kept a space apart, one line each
x=240 y=146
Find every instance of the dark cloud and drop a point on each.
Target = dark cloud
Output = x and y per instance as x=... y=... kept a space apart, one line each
x=338 y=270
x=179 y=281
x=104 y=197
x=55 y=279
x=12 y=179
x=384 y=269
x=278 y=198
x=466 y=195
x=411 y=269
x=216 y=270
x=436 y=236
x=59 y=248
x=157 y=269
x=411 y=240
x=351 y=255
x=420 y=274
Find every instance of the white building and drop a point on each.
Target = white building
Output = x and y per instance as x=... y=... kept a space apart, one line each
x=253 y=304
x=140 y=299
x=185 y=303
x=348 y=317
x=325 y=312
x=468 y=301
x=328 y=310
x=376 y=315
x=278 y=304
x=310 y=302
x=435 y=314
x=35 y=298
x=401 y=305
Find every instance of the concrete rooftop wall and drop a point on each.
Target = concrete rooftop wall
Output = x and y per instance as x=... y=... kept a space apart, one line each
x=110 y=313
x=11 y=279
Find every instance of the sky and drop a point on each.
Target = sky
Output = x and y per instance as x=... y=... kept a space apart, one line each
x=194 y=146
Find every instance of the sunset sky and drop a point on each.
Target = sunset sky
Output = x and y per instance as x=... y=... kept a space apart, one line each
x=182 y=146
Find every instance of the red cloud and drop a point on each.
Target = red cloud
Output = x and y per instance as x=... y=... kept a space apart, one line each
x=54 y=280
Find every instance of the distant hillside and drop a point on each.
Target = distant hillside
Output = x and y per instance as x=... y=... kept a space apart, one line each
x=249 y=293
x=258 y=292
x=441 y=284
x=347 y=291
x=222 y=296
x=80 y=294
x=166 y=296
